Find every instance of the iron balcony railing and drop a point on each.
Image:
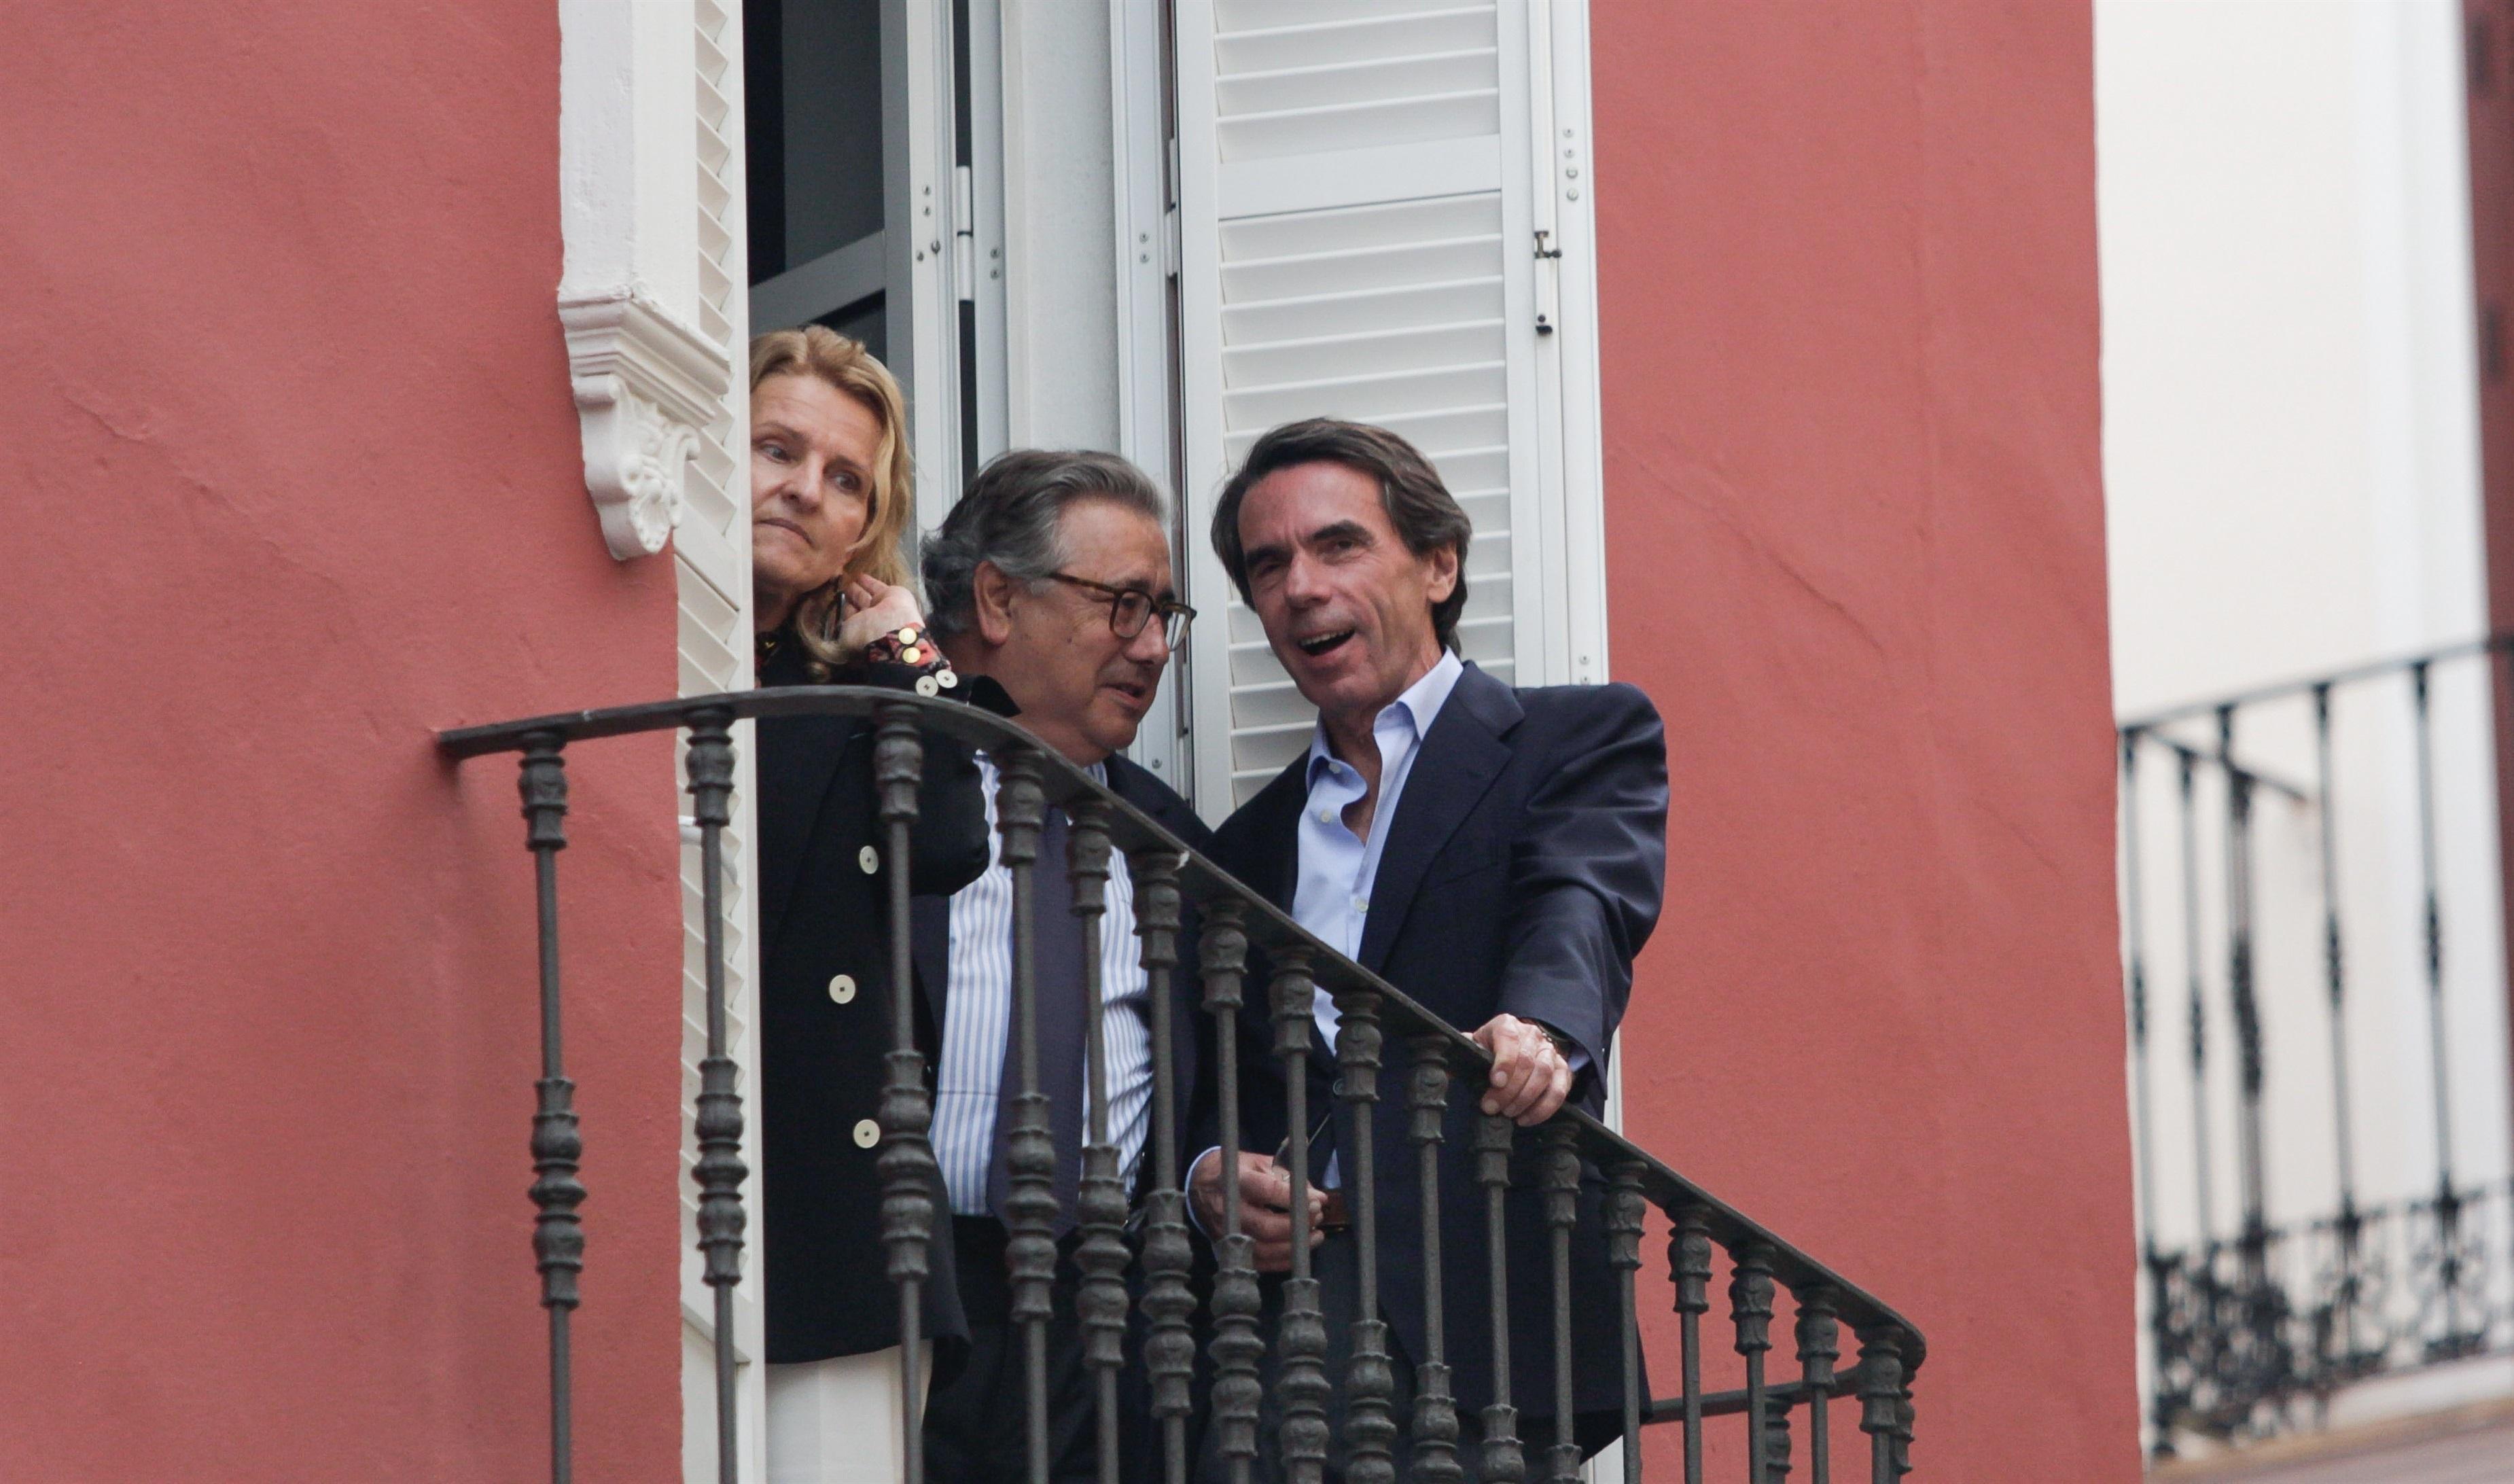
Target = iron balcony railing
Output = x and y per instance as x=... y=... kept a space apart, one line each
x=1235 y=920
x=2340 y=1278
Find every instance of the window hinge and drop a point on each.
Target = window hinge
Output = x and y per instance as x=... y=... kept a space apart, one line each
x=1547 y=289
x=965 y=234
x=1173 y=250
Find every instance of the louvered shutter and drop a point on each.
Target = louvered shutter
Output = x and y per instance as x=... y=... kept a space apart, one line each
x=711 y=569
x=1356 y=240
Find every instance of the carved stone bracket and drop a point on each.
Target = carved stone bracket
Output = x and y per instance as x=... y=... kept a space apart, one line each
x=646 y=384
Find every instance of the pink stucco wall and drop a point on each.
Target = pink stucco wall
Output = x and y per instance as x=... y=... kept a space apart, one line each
x=293 y=481
x=1856 y=521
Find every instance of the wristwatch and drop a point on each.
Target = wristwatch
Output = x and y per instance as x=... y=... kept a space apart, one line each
x=1562 y=1043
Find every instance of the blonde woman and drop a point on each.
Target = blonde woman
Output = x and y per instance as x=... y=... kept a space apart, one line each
x=830 y=492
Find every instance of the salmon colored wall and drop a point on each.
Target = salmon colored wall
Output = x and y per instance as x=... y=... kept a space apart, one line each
x=1855 y=518
x=292 y=480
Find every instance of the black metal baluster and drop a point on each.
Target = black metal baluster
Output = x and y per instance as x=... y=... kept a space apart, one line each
x=1169 y=1347
x=1101 y=1200
x=2160 y=1267
x=1237 y=1346
x=2199 y=1015
x=1503 y=1461
x=1750 y=1309
x=1302 y=1337
x=2259 y=1362
x=1368 y=1428
x=1903 y=1414
x=1030 y=1148
x=1689 y=1258
x=2454 y=1342
x=1880 y=1412
x=720 y=1171
x=559 y=1233
x=1819 y=1337
x=1436 y=1411
x=1561 y=1213
x=2134 y=971
x=1626 y=1214
x=907 y=1161
x=1776 y=1440
x=2251 y=1158
x=2349 y=1227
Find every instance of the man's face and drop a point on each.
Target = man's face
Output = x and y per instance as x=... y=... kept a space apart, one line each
x=1082 y=689
x=1347 y=608
x=812 y=451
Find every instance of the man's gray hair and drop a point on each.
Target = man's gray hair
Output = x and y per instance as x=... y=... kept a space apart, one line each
x=1009 y=517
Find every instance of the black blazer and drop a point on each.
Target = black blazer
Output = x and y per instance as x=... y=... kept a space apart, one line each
x=825 y=1021
x=931 y=920
x=1522 y=873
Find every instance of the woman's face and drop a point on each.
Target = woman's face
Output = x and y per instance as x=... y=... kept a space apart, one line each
x=812 y=453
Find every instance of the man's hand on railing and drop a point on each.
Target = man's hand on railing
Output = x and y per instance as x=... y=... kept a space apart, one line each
x=1530 y=1077
x=1265 y=1205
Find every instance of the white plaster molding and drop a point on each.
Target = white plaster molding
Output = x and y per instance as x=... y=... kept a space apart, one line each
x=646 y=387
x=647 y=383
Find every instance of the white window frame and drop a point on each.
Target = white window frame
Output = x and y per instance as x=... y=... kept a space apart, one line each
x=656 y=318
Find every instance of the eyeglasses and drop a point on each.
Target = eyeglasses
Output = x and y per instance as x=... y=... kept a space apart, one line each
x=1131 y=608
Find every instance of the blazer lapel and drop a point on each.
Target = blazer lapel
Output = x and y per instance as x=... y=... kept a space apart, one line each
x=929 y=947
x=799 y=757
x=1457 y=762
x=1274 y=848
x=1139 y=788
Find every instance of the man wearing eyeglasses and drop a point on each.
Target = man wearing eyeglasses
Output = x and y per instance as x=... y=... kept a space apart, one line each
x=1052 y=578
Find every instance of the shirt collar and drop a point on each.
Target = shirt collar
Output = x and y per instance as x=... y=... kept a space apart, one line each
x=1098 y=772
x=1422 y=702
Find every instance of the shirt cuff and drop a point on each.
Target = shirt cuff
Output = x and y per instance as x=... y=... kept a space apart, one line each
x=1189 y=1182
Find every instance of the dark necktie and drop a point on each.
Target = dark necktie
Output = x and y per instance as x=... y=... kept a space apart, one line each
x=1057 y=941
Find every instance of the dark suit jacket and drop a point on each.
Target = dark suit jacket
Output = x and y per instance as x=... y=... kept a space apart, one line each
x=821 y=915
x=1521 y=874
x=931 y=919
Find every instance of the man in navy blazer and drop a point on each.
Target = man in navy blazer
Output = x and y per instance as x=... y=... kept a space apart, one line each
x=1496 y=854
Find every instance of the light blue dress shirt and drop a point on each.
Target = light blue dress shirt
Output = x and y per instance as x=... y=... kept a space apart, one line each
x=1332 y=897
x=1337 y=868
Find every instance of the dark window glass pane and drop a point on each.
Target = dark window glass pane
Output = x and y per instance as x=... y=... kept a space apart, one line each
x=812 y=71
x=833 y=107
x=763 y=85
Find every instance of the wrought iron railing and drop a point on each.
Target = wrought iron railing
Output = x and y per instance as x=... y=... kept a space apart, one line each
x=2257 y=1328
x=1573 y=1146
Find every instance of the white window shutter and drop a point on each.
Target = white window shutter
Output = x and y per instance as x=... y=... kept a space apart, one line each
x=1356 y=180
x=711 y=568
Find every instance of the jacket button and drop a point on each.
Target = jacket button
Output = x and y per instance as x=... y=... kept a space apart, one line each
x=867 y=1134
x=843 y=988
x=870 y=858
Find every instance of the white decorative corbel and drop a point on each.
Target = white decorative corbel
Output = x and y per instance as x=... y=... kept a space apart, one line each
x=646 y=386
x=648 y=383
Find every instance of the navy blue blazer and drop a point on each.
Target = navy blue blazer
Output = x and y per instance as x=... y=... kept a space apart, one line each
x=825 y=1017
x=1521 y=874
x=930 y=935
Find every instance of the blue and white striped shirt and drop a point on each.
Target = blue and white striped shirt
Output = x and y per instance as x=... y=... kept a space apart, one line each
x=979 y=1019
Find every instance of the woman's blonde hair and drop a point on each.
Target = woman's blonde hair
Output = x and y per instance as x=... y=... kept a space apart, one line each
x=815 y=351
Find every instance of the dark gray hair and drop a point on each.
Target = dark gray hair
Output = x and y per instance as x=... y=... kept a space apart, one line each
x=1009 y=517
x=1427 y=517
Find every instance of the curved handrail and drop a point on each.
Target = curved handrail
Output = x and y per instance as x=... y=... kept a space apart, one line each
x=1204 y=882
